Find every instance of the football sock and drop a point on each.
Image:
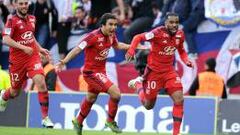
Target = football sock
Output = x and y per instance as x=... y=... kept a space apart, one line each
x=43 y=99
x=140 y=91
x=85 y=109
x=112 y=109
x=177 y=118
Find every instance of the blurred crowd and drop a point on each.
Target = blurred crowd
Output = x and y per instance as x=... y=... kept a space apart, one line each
x=58 y=19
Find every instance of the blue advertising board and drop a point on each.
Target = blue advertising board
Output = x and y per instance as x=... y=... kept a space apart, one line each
x=199 y=117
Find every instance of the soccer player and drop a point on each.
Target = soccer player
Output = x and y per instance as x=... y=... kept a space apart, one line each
x=24 y=58
x=96 y=46
x=160 y=72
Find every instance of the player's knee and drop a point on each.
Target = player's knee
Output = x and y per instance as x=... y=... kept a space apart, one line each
x=91 y=99
x=42 y=86
x=116 y=96
x=179 y=100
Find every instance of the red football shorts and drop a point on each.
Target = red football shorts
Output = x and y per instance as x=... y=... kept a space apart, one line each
x=155 y=81
x=19 y=72
x=97 y=82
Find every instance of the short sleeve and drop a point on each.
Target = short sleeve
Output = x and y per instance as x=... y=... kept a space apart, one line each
x=87 y=41
x=8 y=28
x=150 y=35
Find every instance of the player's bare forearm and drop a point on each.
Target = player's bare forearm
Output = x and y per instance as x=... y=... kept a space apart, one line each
x=38 y=45
x=11 y=43
x=122 y=46
x=75 y=51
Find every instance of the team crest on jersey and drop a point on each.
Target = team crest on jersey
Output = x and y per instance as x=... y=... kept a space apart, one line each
x=32 y=20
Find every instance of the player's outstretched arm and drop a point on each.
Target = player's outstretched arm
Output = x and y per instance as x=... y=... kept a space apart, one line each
x=124 y=46
x=184 y=56
x=134 y=44
x=75 y=51
x=42 y=50
x=11 y=43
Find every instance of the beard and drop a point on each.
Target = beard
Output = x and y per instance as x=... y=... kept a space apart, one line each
x=21 y=13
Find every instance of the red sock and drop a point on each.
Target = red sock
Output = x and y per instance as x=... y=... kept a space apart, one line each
x=7 y=95
x=85 y=109
x=177 y=118
x=140 y=90
x=44 y=102
x=112 y=109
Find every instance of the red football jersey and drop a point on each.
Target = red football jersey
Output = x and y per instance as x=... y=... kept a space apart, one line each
x=96 y=46
x=21 y=30
x=163 y=46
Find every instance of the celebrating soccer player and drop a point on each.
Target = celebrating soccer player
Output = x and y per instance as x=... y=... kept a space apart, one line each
x=24 y=58
x=160 y=72
x=96 y=46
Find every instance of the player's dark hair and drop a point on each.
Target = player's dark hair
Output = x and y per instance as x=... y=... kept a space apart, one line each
x=171 y=14
x=105 y=17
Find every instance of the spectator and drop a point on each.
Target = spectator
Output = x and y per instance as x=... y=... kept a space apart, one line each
x=4 y=79
x=209 y=83
x=3 y=17
x=128 y=15
x=141 y=61
x=79 y=21
x=142 y=18
x=157 y=14
x=43 y=10
x=50 y=74
x=65 y=15
x=99 y=7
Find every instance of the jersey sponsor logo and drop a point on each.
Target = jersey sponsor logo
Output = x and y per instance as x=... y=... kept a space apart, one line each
x=168 y=50
x=27 y=35
x=7 y=31
x=149 y=35
x=103 y=54
x=27 y=38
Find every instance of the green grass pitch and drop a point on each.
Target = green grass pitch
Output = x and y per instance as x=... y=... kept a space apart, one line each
x=40 y=131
